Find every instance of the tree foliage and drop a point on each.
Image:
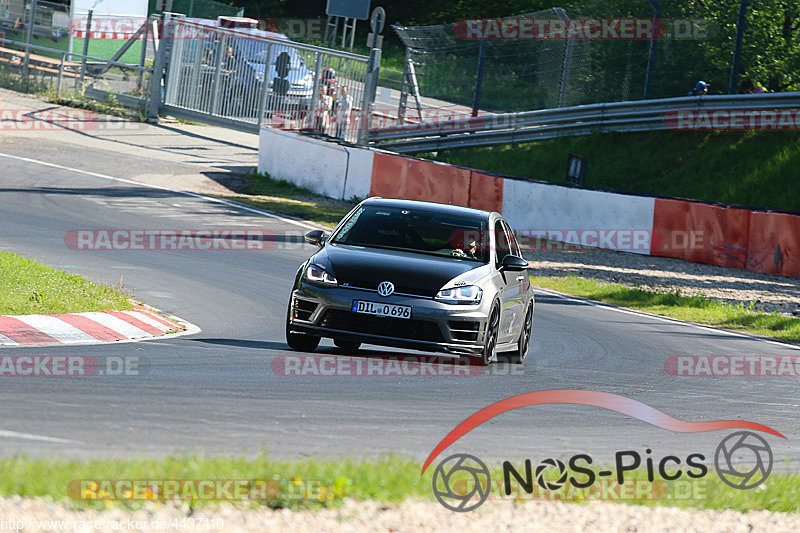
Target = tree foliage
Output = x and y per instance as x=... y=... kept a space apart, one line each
x=770 y=52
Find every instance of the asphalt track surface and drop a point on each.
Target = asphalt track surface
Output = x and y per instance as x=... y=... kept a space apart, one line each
x=216 y=393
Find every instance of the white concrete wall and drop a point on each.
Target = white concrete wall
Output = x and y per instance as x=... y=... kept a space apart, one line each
x=325 y=168
x=563 y=214
x=578 y=216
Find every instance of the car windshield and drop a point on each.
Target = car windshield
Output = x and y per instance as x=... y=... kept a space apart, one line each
x=414 y=230
x=259 y=51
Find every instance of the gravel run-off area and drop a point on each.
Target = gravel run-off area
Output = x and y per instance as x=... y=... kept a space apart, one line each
x=731 y=285
x=412 y=515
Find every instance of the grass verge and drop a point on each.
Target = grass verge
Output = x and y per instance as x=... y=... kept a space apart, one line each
x=746 y=168
x=315 y=483
x=697 y=308
x=28 y=287
x=282 y=197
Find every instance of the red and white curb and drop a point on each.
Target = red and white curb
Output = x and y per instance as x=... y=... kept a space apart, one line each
x=142 y=323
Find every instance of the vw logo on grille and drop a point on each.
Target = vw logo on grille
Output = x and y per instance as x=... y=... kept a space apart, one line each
x=386 y=288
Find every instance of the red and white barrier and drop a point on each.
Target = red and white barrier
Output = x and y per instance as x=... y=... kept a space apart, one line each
x=695 y=231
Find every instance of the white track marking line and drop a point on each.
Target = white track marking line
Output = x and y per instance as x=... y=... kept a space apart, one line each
x=663 y=318
x=116 y=324
x=30 y=436
x=185 y=193
x=56 y=328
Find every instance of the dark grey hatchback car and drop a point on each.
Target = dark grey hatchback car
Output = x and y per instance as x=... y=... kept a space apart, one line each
x=416 y=275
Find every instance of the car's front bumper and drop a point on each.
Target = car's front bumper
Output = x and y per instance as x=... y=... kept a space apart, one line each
x=433 y=326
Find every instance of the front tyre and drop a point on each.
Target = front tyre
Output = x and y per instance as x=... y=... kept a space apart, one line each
x=517 y=357
x=490 y=340
x=299 y=342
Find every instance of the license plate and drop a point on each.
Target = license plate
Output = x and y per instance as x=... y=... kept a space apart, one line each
x=379 y=309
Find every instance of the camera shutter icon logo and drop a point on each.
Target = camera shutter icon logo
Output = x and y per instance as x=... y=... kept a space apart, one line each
x=461 y=482
x=743 y=460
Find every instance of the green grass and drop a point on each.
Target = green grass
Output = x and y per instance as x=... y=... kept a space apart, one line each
x=390 y=479
x=746 y=168
x=317 y=483
x=282 y=197
x=698 y=309
x=28 y=287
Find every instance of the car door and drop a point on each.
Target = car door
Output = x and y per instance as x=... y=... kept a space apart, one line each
x=511 y=300
x=521 y=283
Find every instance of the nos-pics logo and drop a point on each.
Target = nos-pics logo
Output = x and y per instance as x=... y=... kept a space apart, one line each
x=462 y=482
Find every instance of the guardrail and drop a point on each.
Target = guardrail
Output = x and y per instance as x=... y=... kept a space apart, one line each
x=645 y=115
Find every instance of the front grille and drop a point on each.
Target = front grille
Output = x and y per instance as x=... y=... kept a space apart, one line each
x=464 y=330
x=398 y=289
x=420 y=330
x=303 y=309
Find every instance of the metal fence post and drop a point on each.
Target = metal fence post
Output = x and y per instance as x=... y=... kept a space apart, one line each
x=567 y=66
x=262 y=97
x=651 y=57
x=143 y=54
x=218 y=51
x=737 y=50
x=476 y=97
x=403 y=105
x=158 y=72
x=29 y=40
x=60 y=76
x=315 y=91
x=370 y=88
x=86 y=46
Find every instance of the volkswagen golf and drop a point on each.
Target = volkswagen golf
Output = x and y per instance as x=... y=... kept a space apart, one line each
x=416 y=275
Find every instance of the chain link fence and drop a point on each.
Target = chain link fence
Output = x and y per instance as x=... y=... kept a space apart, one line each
x=241 y=80
x=42 y=51
x=584 y=53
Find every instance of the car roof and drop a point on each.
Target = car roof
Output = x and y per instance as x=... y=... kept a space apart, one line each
x=243 y=32
x=447 y=209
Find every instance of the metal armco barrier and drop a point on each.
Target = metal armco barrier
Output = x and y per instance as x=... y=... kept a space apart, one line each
x=646 y=115
x=239 y=80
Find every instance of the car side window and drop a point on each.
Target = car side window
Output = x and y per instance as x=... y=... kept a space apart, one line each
x=513 y=245
x=502 y=243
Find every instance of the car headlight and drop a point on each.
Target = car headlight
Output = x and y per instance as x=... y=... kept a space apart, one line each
x=315 y=274
x=471 y=294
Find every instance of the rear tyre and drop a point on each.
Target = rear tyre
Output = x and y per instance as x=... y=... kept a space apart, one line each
x=490 y=340
x=517 y=357
x=299 y=342
x=347 y=346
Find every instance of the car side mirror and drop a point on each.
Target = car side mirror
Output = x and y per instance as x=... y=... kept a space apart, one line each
x=315 y=237
x=514 y=263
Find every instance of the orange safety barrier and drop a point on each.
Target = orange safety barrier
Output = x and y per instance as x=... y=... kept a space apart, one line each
x=670 y=224
x=718 y=235
x=486 y=192
x=700 y=233
x=412 y=179
x=774 y=246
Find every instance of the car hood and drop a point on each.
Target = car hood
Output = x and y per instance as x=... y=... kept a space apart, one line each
x=417 y=274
